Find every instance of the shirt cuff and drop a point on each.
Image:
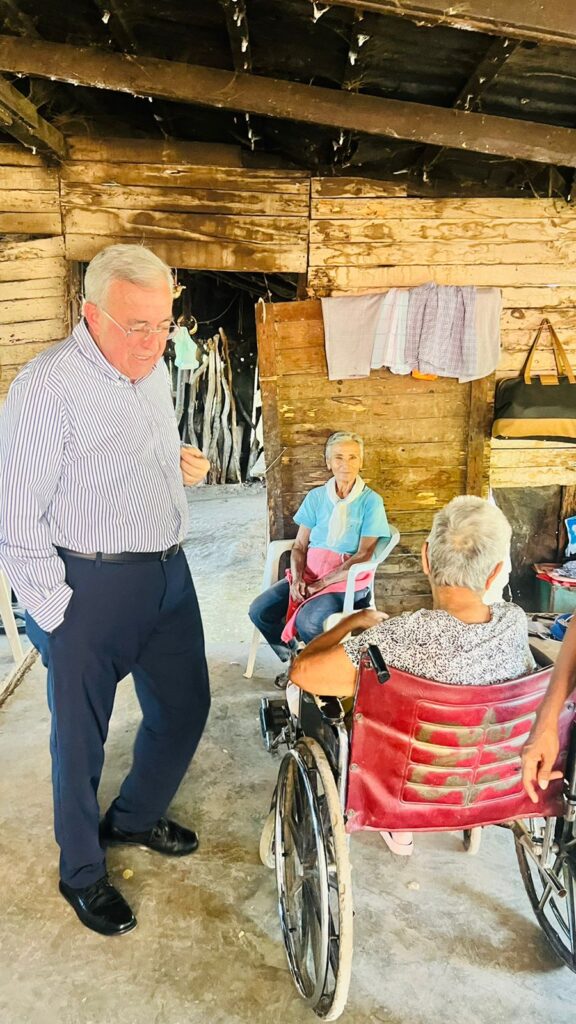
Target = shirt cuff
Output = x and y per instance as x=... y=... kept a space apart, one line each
x=50 y=612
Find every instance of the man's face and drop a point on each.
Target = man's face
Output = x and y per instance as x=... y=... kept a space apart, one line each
x=133 y=307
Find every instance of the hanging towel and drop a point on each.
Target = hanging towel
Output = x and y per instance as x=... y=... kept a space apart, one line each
x=390 y=340
x=487 y=325
x=349 y=332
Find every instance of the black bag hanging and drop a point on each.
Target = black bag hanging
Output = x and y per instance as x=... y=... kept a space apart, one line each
x=540 y=410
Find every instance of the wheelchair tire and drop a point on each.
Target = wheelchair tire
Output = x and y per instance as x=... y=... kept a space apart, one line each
x=471 y=840
x=313 y=879
x=555 y=914
x=266 y=848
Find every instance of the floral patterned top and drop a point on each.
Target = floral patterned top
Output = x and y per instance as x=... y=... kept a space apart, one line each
x=435 y=645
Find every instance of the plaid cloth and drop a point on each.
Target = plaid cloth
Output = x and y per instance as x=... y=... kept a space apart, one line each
x=441 y=332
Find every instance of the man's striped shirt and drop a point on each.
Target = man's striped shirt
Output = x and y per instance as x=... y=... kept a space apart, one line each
x=88 y=461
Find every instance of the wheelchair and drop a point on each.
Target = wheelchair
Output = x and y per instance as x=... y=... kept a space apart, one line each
x=409 y=755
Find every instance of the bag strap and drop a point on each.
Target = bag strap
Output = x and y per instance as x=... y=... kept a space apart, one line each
x=563 y=366
x=560 y=354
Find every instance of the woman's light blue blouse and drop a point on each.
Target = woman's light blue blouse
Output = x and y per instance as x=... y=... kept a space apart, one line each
x=366 y=517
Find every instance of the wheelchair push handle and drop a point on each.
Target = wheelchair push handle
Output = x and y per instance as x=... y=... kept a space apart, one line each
x=378 y=664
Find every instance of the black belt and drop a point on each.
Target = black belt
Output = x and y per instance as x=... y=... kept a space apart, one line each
x=123 y=556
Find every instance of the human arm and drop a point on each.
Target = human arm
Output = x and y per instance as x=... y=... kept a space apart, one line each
x=33 y=433
x=323 y=666
x=541 y=748
x=298 y=589
x=193 y=465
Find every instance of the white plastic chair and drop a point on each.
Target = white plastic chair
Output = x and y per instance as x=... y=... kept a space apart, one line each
x=8 y=620
x=276 y=548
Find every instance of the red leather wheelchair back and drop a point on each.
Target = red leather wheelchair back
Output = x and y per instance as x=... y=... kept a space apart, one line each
x=432 y=756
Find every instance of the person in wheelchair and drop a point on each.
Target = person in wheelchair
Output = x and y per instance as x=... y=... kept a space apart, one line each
x=339 y=525
x=462 y=640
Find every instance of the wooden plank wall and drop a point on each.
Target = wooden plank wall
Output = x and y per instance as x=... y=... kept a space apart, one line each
x=416 y=437
x=34 y=307
x=362 y=241
x=29 y=194
x=195 y=214
x=33 y=272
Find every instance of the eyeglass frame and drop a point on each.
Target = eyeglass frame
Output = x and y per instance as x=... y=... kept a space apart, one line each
x=144 y=331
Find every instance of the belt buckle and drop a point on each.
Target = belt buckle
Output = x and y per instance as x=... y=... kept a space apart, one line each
x=164 y=555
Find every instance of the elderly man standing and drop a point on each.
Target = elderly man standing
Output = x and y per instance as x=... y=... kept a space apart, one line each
x=92 y=514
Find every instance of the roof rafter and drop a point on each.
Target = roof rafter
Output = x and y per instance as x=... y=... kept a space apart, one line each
x=471 y=93
x=116 y=24
x=360 y=112
x=15 y=20
x=237 y=25
x=20 y=118
x=553 y=23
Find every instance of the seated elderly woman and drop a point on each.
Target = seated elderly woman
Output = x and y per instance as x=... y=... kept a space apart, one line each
x=461 y=640
x=338 y=524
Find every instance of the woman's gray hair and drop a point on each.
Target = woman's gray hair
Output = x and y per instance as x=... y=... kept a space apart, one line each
x=342 y=435
x=468 y=539
x=132 y=263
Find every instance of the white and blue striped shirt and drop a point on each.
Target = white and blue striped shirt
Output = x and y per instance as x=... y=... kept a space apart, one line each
x=88 y=461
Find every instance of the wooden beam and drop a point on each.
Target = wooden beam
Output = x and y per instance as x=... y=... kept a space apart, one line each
x=553 y=23
x=20 y=118
x=212 y=87
x=237 y=25
x=469 y=96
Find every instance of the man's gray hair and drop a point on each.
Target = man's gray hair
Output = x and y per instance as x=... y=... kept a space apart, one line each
x=468 y=539
x=343 y=435
x=132 y=263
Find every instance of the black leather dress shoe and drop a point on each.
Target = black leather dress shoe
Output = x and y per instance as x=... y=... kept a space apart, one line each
x=100 y=907
x=164 y=837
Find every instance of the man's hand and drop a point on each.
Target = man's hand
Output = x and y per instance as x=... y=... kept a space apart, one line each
x=366 y=618
x=538 y=757
x=193 y=465
x=298 y=590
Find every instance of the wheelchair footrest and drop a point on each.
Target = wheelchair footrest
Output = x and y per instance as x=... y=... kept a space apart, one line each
x=274 y=717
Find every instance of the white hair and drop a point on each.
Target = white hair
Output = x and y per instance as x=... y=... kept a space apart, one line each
x=343 y=435
x=469 y=537
x=132 y=263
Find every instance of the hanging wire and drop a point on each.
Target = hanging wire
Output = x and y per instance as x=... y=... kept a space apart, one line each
x=223 y=313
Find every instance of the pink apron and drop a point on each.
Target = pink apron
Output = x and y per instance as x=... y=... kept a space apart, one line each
x=319 y=562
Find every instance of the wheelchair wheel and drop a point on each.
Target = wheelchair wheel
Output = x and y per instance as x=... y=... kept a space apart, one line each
x=554 y=904
x=313 y=878
x=266 y=848
x=471 y=840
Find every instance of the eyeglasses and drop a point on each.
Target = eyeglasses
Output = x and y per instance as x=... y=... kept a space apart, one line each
x=145 y=330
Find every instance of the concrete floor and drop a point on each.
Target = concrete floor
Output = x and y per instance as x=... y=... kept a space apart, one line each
x=440 y=937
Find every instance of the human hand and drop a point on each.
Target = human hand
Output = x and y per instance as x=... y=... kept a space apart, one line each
x=366 y=618
x=315 y=587
x=538 y=757
x=298 y=590
x=193 y=465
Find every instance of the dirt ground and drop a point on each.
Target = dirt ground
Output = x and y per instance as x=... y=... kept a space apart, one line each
x=440 y=937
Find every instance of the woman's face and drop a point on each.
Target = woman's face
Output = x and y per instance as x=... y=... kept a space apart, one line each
x=345 y=461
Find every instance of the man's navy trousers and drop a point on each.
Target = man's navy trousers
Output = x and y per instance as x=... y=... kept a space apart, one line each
x=141 y=618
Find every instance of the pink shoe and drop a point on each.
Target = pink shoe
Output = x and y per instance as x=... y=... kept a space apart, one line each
x=401 y=843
